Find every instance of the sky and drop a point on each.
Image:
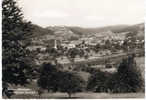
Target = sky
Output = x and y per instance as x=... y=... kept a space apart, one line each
x=84 y=13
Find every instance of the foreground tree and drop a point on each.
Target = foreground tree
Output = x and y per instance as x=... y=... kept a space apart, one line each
x=15 y=70
x=128 y=78
x=48 y=78
x=52 y=79
x=97 y=81
x=71 y=82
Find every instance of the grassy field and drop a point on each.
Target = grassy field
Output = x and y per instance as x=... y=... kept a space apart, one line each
x=82 y=96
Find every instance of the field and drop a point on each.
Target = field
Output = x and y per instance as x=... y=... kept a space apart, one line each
x=87 y=95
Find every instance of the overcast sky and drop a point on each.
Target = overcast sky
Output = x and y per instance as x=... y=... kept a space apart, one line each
x=85 y=13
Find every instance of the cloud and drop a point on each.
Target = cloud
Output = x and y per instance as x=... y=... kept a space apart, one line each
x=90 y=13
x=51 y=14
x=93 y=18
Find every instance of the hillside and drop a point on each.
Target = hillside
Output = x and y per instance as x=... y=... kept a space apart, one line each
x=63 y=32
x=38 y=31
x=73 y=33
x=137 y=30
x=115 y=29
x=86 y=31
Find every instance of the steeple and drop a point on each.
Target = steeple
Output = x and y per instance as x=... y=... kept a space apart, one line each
x=55 y=44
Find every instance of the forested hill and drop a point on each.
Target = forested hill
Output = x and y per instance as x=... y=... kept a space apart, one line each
x=115 y=29
x=66 y=32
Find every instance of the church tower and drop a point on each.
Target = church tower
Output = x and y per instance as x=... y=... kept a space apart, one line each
x=55 y=44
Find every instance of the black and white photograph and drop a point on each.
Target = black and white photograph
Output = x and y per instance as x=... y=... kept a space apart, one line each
x=73 y=49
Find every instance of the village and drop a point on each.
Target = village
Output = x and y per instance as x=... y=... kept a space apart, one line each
x=91 y=47
x=72 y=49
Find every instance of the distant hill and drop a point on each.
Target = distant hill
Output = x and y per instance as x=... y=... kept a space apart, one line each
x=65 y=32
x=133 y=28
x=82 y=31
x=138 y=29
x=115 y=29
x=38 y=31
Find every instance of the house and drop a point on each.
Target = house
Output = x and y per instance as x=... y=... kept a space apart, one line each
x=71 y=46
x=68 y=46
x=34 y=48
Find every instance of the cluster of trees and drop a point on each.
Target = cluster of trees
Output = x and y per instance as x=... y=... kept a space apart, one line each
x=128 y=78
x=53 y=79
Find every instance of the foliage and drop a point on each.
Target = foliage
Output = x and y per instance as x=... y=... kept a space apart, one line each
x=53 y=52
x=72 y=53
x=14 y=54
x=71 y=83
x=97 y=48
x=97 y=81
x=127 y=79
x=53 y=79
x=48 y=78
